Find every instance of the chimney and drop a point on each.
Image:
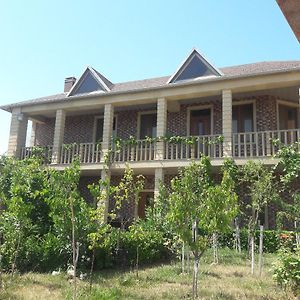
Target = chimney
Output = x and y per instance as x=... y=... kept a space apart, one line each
x=69 y=82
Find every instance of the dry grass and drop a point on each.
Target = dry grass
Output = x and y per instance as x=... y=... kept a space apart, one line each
x=229 y=280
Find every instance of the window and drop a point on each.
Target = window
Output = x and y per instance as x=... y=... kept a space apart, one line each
x=200 y=122
x=99 y=122
x=242 y=118
x=288 y=117
x=148 y=123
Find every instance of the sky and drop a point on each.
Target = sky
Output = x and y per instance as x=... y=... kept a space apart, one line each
x=42 y=42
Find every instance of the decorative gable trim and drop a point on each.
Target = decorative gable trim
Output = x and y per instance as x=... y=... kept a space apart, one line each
x=104 y=83
x=187 y=63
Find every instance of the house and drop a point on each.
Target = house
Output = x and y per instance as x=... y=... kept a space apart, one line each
x=291 y=11
x=246 y=105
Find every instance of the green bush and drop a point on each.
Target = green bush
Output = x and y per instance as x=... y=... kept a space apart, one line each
x=287 y=270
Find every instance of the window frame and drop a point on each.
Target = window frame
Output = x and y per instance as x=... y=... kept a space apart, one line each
x=200 y=107
x=96 y=118
x=246 y=102
x=288 y=104
x=140 y=114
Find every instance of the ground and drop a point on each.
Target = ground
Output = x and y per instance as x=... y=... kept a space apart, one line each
x=230 y=279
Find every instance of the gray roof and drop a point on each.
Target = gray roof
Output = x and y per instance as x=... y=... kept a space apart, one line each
x=234 y=71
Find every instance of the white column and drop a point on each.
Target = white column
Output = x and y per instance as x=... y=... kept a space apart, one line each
x=159 y=177
x=59 y=132
x=227 y=122
x=17 y=134
x=107 y=129
x=162 y=106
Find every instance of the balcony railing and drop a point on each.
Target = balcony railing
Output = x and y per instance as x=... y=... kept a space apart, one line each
x=87 y=153
x=43 y=152
x=194 y=147
x=264 y=143
x=133 y=150
x=244 y=145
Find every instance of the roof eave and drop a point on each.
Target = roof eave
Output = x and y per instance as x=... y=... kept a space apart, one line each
x=9 y=107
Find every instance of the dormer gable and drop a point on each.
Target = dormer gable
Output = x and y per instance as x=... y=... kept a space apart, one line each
x=195 y=66
x=90 y=81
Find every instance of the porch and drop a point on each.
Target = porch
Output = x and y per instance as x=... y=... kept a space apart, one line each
x=247 y=145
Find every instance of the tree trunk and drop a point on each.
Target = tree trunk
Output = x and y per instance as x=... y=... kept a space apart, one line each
x=74 y=250
x=215 y=248
x=195 y=276
x=297 y=235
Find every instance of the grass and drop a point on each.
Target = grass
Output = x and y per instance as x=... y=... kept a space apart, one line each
x=230 y=279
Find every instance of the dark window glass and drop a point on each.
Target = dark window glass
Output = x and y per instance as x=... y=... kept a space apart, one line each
x=200 y=122
x=195 y=68
x=242 y=118
x=88 y=85
x=148 y=125
x=288 y=117
x=99 y=129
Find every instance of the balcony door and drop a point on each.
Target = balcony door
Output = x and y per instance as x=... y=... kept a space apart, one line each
x=200 y=122
x=288 y=117
x=98 y=129
x=145 y=201
x=148 y=125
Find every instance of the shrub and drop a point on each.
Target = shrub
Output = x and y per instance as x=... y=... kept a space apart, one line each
x=287 y=270
x=273 y=239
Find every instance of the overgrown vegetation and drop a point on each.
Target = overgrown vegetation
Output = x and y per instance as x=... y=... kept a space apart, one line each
x=46 y=225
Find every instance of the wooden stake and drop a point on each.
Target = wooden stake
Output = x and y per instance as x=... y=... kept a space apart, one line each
x=182 y=258
x=260 y=258
x=252 y=253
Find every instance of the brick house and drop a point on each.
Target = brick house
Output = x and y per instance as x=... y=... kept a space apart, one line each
x=247 y=105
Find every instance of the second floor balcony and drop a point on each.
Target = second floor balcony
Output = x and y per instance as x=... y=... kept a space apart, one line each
x=248 y=145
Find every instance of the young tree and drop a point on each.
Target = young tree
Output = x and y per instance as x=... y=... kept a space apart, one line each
x=289 y=167
x=199 y=204
x=261 y=188
x=69 y=211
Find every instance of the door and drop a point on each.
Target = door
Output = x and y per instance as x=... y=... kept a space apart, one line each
x=200 y=122
x=145 y=201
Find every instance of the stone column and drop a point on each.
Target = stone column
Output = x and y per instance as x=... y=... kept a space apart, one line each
x=105 y=176
x=161 y=127
x=227 y=122
x=33 y=133
x=159 y=177
x=59 y=132
x=17 y=134
x=107 y=129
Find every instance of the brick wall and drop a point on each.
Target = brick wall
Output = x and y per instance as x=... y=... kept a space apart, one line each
x=80 y=128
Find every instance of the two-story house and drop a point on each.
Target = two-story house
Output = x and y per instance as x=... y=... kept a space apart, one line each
x=248 y=105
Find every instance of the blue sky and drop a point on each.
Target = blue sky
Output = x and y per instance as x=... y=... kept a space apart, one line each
x=42 y=42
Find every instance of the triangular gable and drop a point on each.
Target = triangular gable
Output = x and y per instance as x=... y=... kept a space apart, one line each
x=194 y=67
x=89 y=82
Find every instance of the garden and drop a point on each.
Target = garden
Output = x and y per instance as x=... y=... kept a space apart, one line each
x=199 y=240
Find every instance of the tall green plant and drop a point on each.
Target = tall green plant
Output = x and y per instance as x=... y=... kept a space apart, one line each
x=261 y=188
x=199 y=204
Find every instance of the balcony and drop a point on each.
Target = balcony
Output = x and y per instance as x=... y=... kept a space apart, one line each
x=244 y=145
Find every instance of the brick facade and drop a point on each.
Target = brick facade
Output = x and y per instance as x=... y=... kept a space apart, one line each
x=80 y=129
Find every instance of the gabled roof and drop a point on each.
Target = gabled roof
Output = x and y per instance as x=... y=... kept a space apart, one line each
x=90 y=81
x=195 y=66
x=240 y=71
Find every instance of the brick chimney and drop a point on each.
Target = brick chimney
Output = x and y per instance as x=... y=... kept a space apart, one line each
x=69 y=82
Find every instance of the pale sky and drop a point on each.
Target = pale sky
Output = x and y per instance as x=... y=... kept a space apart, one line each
x=42 y=42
